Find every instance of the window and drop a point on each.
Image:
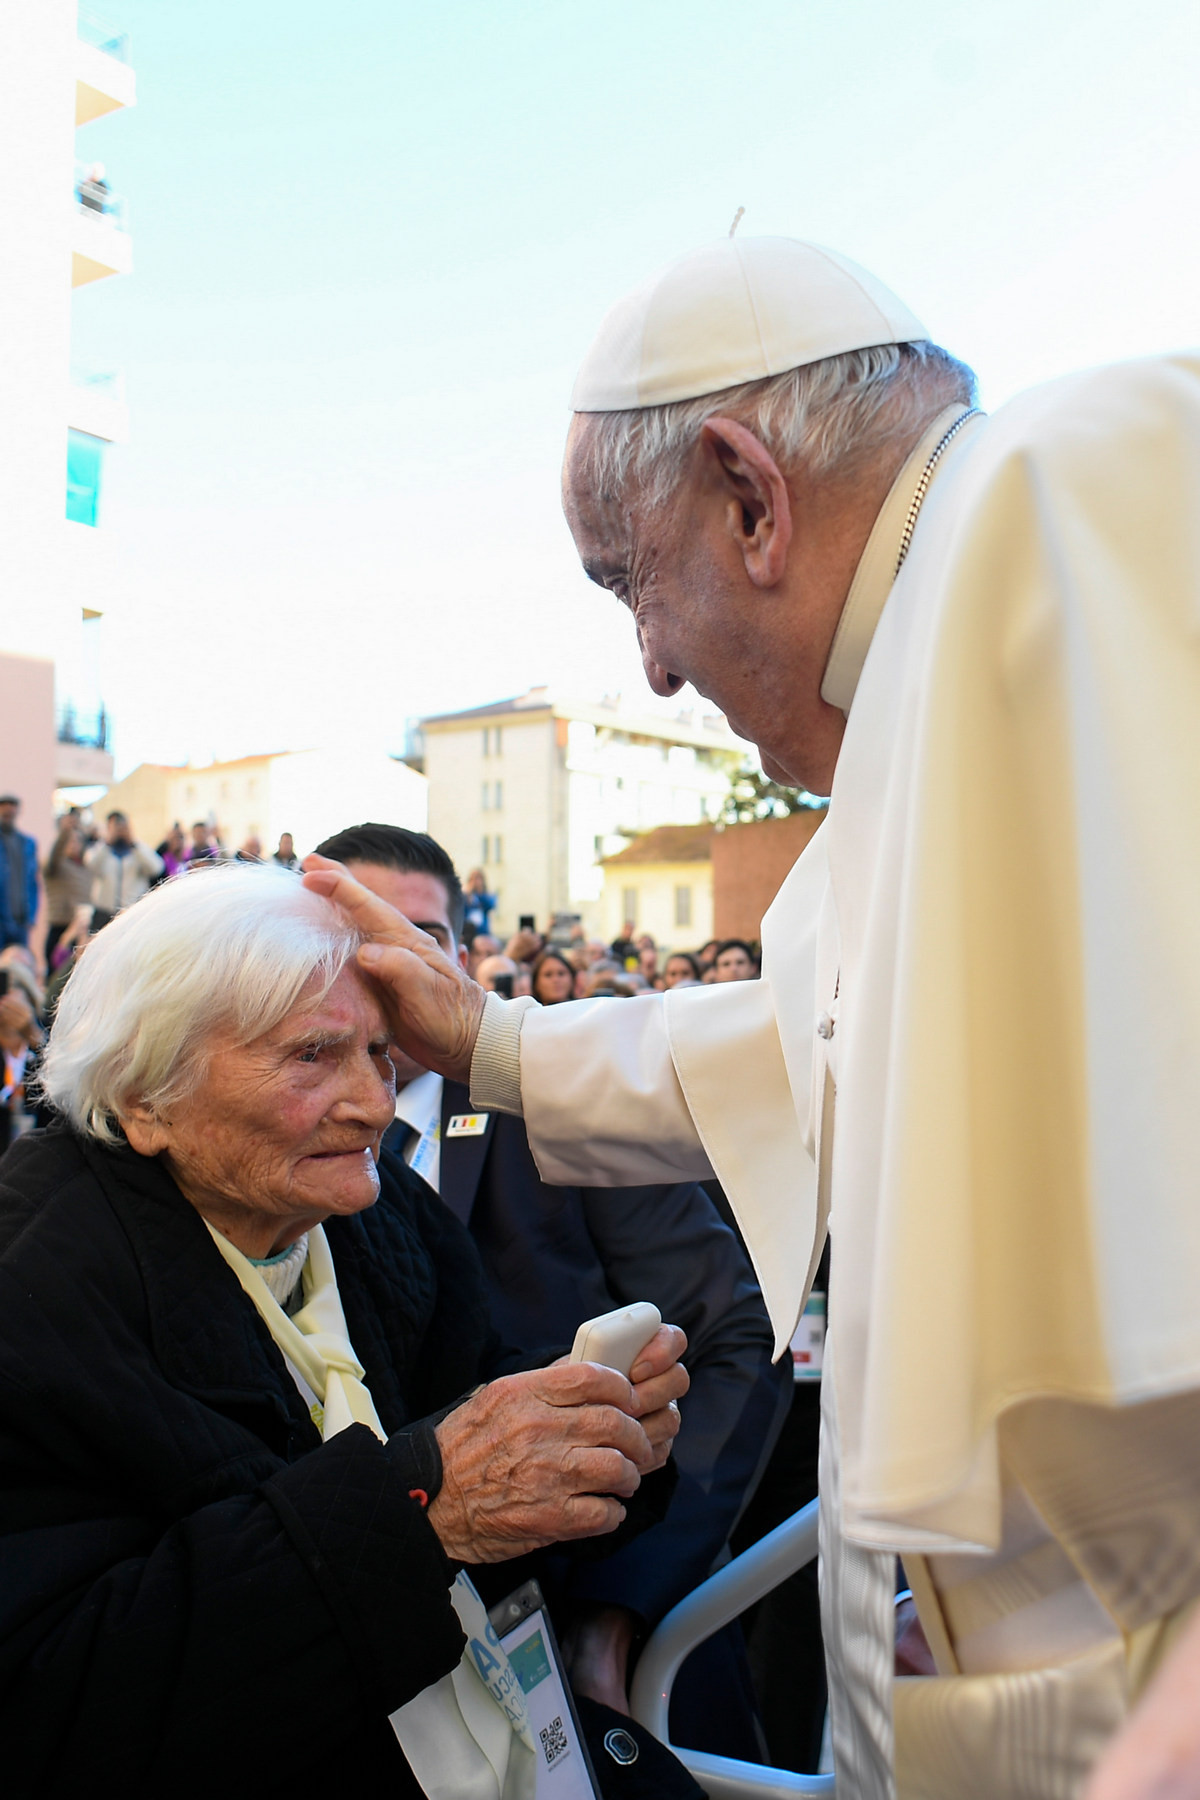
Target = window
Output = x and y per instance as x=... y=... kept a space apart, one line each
x=498 y=842
x=497 y=742
x=84 y=455
x=484 y=858
x=485 y=792
x=683 y=905
x=629 y=906
x=498 y=802
x=487 y=741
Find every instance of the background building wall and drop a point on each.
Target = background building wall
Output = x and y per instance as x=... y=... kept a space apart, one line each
x=749 y=863
x=461 y=776
x=656 y=886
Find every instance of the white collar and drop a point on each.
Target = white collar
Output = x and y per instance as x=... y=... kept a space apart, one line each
x=877 y=566
x=419 y=1102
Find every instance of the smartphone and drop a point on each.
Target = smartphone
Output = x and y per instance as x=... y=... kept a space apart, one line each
x=3 y=983
x=525 y=922
x=616 y=1339
x=502 y=985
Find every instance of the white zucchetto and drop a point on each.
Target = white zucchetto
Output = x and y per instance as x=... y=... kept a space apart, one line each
x=736 y=311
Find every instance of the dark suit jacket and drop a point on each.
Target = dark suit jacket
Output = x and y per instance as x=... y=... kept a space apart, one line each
x=554 y=1256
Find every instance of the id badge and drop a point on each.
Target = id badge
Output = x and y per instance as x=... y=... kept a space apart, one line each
x=564 y=1768
x=808 y=1340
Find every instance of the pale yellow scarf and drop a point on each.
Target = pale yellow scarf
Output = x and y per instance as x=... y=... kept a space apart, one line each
x=467 y=1736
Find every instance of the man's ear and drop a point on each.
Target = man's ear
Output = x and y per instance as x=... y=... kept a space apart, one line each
x=758 y=507
x=146 y=1132
x=463 y=956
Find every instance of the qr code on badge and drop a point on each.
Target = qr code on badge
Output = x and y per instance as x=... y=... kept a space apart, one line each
x=554 y=1741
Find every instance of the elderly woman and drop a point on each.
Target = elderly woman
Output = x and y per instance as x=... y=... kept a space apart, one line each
x=236 y=1480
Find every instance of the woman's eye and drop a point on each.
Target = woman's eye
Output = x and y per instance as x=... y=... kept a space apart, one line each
x=310 y=1053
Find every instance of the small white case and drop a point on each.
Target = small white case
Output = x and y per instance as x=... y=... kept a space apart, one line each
x=615 y=1338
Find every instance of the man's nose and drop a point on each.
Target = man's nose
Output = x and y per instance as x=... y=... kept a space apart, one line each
x=661 y=680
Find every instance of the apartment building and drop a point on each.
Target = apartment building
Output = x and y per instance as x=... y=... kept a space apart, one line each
x=536 y=790
x=311 y=793
x=64 y=229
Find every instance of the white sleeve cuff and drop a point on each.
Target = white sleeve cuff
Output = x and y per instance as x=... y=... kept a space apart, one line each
x=496 y=1061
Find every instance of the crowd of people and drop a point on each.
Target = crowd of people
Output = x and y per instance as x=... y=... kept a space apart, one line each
x=583 y=968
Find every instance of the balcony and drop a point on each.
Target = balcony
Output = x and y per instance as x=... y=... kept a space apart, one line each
x=100 y=241
x=82 y=755
x=104 y=81
x=96 y=404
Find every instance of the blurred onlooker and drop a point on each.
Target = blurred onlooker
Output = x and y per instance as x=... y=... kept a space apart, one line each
x=483 y=945
x=18 y=876
x=251 y=850
x=497 y=975
x=68 y=882
x=286 y=853
x=553 y=979
x=706 y=956
x=647 y=960
x=121 y=869
x=172 y=852
x=478 y=906
x=204 y=846
x=682 y=970
x=608 y=980
x=735 y=961
x=20 y=1039
x=624 y=947
x=524 y=947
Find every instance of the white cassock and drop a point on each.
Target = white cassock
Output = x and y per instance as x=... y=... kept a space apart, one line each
x=989 y=960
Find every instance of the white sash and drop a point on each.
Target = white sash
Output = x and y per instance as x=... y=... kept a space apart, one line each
x=467 y=1736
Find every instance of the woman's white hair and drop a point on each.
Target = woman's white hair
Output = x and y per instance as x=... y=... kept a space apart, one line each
x=229 y=949
x=832 y=416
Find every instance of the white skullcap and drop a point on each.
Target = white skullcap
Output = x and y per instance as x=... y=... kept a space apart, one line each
x=736 y=311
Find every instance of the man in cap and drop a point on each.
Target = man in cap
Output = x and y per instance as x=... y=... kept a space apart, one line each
x=982 y=639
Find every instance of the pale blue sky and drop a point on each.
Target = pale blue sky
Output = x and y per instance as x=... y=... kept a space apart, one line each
x=371 y=244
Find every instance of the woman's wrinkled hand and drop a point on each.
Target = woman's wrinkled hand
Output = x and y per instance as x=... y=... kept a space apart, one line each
x=537 y=1459
x=433 y=1006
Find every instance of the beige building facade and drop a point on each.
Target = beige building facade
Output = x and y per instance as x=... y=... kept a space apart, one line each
x=538 y=790
x=311 y=793
x=662 y=883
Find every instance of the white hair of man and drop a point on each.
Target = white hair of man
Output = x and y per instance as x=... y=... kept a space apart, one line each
x=226 y=948
x=833 y=417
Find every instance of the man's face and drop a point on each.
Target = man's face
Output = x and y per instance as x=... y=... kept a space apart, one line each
x=422 y=899
x=118 y=831
x=734 y=965
x=758 y=652
x=678 y=969
x=8 y=814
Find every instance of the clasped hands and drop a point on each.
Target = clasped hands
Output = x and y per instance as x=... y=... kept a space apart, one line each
x=543 y=1457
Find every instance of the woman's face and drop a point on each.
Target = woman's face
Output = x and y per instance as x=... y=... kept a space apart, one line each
x=282 y=1133
x=555 y=982
x=678 y=969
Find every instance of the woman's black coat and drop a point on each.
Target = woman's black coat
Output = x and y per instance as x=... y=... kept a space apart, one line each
x=196 y=1594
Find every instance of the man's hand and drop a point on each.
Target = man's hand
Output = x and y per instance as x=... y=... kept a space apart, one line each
x=433 y=1007
x=536 y=1459
x=1156 y=1754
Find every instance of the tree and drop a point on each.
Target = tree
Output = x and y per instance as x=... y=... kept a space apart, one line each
x=753 y=796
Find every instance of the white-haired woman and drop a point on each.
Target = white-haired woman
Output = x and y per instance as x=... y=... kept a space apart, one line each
x=234 y=1477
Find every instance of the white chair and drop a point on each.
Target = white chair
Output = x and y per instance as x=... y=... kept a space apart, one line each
x=713 y=1604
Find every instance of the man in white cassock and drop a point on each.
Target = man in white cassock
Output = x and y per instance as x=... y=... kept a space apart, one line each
x=974 y=1055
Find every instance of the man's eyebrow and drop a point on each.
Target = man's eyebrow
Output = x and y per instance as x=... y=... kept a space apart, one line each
x=432 y=926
